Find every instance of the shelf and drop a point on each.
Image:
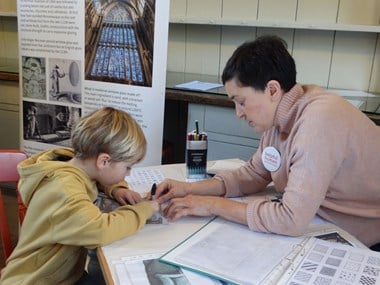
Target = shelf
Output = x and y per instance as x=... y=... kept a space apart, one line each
x=267 y=24
x=9 y=76
x=365 y=101
x=9 y=69
x=8 y=14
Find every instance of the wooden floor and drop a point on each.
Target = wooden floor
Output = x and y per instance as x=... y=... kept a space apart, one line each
x=11 y=208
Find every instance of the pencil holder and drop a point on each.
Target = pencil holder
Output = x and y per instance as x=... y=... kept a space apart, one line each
x=196 y=158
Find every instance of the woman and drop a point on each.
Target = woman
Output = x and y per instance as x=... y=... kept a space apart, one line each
x=319 y=150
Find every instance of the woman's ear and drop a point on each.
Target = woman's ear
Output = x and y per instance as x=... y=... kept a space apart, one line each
x=275 y=90
x=102 y=160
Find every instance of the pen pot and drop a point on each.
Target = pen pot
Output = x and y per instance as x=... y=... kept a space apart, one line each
x=196 y=159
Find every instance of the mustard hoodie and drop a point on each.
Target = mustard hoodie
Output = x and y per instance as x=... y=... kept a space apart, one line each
x=62 y=221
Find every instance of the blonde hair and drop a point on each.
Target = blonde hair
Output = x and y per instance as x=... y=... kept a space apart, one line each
x=110 y=131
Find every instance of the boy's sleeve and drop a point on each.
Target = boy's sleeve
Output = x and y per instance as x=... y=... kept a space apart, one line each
x=108 y=190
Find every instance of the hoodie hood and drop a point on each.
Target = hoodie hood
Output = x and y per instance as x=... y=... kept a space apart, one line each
x=46 y=165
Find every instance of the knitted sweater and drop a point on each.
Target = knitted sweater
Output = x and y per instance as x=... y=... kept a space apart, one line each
x=330 y=166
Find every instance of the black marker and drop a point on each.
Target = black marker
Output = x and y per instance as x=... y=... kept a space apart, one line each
x=153 y=191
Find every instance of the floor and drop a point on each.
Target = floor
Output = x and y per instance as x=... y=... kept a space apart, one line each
x=11 y=208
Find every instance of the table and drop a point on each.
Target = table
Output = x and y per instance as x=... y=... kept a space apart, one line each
x=154 y=240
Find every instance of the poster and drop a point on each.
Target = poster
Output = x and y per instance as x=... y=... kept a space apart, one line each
x=77 y=56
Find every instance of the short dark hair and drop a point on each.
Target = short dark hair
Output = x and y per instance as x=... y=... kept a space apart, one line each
x=256 y=62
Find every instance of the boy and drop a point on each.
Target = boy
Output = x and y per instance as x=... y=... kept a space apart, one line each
x=59 y=187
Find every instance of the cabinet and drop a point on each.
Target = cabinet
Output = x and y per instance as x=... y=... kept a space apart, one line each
x=8 y=8
x=8 y=40
x=228 y=136
x=335 y=44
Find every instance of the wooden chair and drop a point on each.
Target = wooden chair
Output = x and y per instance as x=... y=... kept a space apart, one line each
x=9 y=159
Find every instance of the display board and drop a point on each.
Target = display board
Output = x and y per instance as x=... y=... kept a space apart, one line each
x=77 y=56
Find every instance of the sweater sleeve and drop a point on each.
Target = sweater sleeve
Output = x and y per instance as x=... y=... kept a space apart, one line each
x=79 y=222
x=108 y=190
x=248 y=179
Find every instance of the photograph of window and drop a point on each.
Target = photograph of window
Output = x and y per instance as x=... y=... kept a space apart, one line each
x=119 y=41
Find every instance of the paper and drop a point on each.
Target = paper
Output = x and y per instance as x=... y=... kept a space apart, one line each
x=335 y=263
x=233 y=253
x=151 y=239
x=199 y=85
x=141 y=179
x=147 y=269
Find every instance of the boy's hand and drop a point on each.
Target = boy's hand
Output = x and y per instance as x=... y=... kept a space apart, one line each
x=126 y=196
x=155 y=206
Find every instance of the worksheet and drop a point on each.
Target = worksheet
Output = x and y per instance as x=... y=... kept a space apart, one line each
x=326 y=263
x=141 y=179
x=235 y=254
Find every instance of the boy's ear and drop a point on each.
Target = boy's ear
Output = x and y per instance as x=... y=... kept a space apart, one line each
x=102 y=160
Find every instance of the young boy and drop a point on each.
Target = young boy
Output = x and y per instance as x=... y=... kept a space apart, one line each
x=59 y=187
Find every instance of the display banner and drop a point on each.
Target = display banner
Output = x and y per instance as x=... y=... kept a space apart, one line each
x=79 y=55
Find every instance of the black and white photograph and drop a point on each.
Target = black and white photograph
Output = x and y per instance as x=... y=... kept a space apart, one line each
x=160 y=273
x=48 y=123
x=65 y=81
x=34 y=77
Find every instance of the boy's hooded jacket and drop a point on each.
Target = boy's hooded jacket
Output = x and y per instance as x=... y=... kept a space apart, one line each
x=62 y=221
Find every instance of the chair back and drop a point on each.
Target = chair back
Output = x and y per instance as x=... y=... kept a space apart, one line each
x=9 y=159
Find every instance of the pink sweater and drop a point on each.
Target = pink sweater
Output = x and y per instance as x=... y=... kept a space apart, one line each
x=330 y=166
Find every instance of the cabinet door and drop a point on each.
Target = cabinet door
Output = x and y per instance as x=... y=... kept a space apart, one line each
x=222 y=120
x=239 y=10
x=375 y=82
x=8 y=6
x=202 y=49
x=228 y=136
x=352 y=60
x=317 y=11
x=210 y=9
x=221 y=150
x=354 y=12
x=313 y=65
x=274 y=10
x=178 y=8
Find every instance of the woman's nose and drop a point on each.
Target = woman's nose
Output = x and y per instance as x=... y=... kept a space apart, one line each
x=239 y=112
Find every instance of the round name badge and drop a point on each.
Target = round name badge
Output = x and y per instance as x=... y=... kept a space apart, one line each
x=271 y=158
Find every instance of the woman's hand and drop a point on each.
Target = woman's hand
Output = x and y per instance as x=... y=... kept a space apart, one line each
x=193 y=205
x=155 y=206
x=170 y=188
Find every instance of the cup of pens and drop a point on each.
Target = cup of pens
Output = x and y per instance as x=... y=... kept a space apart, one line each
x=196 y=154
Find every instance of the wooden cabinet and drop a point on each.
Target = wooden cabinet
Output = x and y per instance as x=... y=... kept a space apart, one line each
x=8 y=8
x=335 y=44
x=228 y=136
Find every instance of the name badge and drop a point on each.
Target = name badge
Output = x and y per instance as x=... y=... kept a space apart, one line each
x=271 y=158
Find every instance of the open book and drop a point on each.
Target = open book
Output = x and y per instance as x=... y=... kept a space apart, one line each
x=232 y=253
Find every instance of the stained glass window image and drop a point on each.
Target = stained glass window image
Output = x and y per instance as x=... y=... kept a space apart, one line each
x=119 y=41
